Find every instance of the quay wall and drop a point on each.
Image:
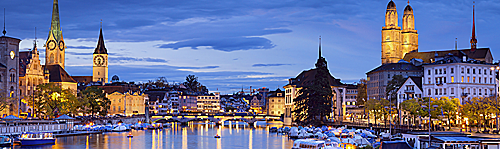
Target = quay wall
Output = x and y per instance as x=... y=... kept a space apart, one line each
x=126 y=120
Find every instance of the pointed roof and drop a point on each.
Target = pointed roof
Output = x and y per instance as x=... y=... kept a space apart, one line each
x=58 y=74
x=11 y=117
x=64 y=117
x=473 y=40
x=55 y=24
x=100 y=49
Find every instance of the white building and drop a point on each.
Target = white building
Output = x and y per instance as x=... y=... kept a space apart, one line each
x=209 y=103
x=458 y=77
x=412 y=88
x=169 y=104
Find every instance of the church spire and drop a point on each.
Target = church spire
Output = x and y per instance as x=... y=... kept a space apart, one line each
x=319 y=47
x=4 y=31
x=321 y=63
x=55 y=24
x=100 y=49
x=473 y=40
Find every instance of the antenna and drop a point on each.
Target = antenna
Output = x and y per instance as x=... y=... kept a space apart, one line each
x=101 y=23
x=456 y=48
x=4 y=32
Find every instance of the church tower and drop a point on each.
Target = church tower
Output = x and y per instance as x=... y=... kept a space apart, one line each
x=55 y=47
x=410 y=35
x=391 y=34
x=100 y=59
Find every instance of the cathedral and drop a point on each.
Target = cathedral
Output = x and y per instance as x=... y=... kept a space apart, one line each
x=33 y=73
x=396 y=42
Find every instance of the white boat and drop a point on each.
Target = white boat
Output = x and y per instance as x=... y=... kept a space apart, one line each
x=293 y=133
x=313 y=144
x=119 y=128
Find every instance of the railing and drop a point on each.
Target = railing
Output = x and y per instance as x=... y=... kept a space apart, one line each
x=31 y=128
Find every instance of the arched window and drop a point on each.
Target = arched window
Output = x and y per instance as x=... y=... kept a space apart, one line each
x=51 y=58
x=61 y=58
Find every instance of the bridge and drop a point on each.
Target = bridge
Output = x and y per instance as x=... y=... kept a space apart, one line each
x=219 y=119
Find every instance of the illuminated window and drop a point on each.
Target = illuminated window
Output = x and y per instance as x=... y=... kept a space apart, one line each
x=468 y=79
x=452 y=79
x=462 y=79
x=473 y=79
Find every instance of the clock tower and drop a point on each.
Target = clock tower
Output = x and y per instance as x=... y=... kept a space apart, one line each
x=55 y=46
x=100 y=59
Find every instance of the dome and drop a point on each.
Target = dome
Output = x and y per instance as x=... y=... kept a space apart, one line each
x=391 y=5
x=115 y=78
x=408 y=8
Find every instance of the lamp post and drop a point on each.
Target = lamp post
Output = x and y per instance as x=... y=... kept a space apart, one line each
x=495 y=95
x=424 y=106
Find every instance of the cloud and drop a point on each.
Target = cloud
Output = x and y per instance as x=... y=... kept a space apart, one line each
x=268 y=65
x=224 y=44
x=79 y=47
x=77 y=53
x=204 y=67
x=123 y=59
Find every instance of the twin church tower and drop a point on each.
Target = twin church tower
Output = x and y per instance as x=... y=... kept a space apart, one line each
x=396 y=42
x=55 y=49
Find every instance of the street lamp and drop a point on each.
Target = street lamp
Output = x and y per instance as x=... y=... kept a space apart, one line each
x=495 y=95
x=390 y=119
x=435 y=106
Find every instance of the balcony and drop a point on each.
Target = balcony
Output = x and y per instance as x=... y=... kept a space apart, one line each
x=409 y=91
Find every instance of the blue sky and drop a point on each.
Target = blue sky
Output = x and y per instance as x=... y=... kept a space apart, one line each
x=230 y=44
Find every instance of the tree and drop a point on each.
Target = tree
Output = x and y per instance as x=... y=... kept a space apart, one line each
x=159 y=83
x=51 y=100
x=413 y=107
x=7 y=102
x=192 y=84
x=377 y=107
x=94 y=101
x=361 y=97
x=314 y=102
x=393 y=86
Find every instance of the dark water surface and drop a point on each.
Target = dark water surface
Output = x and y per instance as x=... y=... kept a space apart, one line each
x=193 y=136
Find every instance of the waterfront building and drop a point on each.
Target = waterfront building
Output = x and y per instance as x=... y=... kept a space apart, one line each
x=155 y=96
x=350 y=95
x=30 y=75
x=458 y=77
x=256 y=103
x=307 y=77
x=276 y=103
x=378 y=78
x=9 y=72
x=170 y=103
x=127 y=103
x=396 y=42
x=188 y=102
x=411 y=89
x=209 y=103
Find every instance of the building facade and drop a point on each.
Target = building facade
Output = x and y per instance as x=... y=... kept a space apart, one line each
x=350 y=95
x=459 y=77
x=30 y=75
x=100 y=59
x=378 y=78
x=127 y=103
x=276 y=103
x=411 y=89
x=188 y=102
x=9 y=73
x=396 y=42
x=209 y=103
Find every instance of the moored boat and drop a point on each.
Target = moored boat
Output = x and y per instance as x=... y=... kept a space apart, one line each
x=5 y=141
x=313 y=144
x=39 y=138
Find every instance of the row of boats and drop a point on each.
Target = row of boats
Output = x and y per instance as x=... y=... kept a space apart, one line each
x=328 y=138
x=120 y=127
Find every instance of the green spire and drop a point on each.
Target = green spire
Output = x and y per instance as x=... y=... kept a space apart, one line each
x=55 y=26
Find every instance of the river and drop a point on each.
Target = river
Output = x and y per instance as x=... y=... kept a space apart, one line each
x=193 y=136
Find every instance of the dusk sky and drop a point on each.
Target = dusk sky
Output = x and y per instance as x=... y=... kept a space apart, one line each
x=230 y=44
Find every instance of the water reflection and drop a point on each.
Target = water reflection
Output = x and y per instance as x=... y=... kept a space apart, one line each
x=198 y=136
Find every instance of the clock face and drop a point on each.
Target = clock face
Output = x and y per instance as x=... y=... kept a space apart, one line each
x=61 y=45
x=99 y=60
x=51 y=45
x=12 y=54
